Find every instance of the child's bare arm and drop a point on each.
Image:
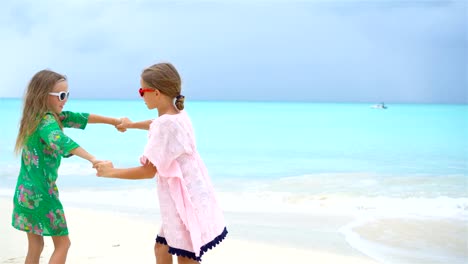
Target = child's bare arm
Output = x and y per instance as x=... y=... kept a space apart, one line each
x=106 y=169
x=127 y=123
x=82 y=153
x=97 y=119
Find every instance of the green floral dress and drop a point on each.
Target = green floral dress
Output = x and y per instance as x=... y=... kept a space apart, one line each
x=37 y=208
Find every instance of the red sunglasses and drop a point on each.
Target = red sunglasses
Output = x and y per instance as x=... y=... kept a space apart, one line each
x=143 y=90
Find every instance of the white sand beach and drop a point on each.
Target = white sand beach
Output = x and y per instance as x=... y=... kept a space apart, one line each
x=114 y=237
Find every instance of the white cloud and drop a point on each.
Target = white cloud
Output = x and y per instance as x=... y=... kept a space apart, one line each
x=238 y=49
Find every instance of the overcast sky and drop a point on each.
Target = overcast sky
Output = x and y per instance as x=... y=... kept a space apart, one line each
x=319 y=51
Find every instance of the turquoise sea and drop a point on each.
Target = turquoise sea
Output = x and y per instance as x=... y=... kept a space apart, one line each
x=405 y=163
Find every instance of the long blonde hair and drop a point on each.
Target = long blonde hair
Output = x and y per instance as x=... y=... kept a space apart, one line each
x=165 y=78
x=35 y=104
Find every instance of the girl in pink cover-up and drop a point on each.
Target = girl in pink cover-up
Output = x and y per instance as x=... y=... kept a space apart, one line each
x=192 y=220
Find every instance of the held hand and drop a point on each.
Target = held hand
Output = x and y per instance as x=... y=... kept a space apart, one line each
x=104 y=168
x=118 y=124
x=95 y=162
x=124 y=124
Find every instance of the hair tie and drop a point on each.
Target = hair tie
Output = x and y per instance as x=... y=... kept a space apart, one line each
x=179 y=97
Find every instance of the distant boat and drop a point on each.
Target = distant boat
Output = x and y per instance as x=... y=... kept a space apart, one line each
x=379 y=106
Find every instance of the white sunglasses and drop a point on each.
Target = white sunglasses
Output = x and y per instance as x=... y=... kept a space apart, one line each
x=62 y=95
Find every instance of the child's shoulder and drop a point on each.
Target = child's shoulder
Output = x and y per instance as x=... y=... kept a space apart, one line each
x=162 y=121
x=47 y=117
x=172 y=121
x=166 y=118
x=50 y=116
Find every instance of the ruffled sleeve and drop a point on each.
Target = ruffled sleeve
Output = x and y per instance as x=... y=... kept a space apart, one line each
x=53 y=136
x=166 y=142
x=74 y=120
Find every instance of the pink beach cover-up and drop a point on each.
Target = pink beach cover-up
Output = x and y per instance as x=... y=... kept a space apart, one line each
x=192 y=220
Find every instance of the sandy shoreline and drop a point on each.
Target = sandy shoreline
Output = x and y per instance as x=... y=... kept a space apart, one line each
x=115 y=237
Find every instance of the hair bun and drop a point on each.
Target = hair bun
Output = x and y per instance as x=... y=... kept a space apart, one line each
x=180 y=102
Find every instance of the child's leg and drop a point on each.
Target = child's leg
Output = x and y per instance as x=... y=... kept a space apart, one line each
x=61 y=244
x=184 y=260
x=162 y=254
x=35 y=246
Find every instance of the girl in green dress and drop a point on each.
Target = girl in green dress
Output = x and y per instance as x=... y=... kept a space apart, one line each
x=42 y=143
